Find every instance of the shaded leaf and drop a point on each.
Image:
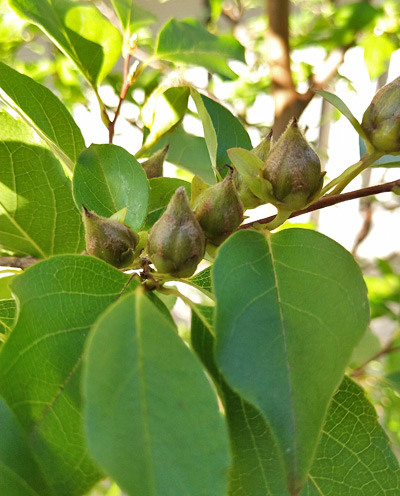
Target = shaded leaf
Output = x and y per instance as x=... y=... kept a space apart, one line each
x=161 y=191
x=107 y=178
x=16 y=455
x=40 y=363
x=283 y=342
x=189 y=43
x=12 y=484
x=189 y=152
x=44 y=112
x=222 y=130
x=37 y=213
x=160 y=423
x=78 y=30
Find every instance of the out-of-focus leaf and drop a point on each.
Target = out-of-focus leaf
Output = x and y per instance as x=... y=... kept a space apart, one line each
x=7 y=316
x=189 y=43
x=132 y=16
x=44 y=112
x=377 y=53
x=78 y=30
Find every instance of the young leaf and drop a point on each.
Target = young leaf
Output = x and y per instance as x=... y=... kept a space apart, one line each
x=189 y=152
x=189 y=43
x=163 y=110
x=284 y=349
x=15 y=455
x=78 y=30
x=37 y=213
x=222 y=130
x=161 y=191
x=107 y=178
x=12 y=484
x=354 y=457
x=44 y=112
x=132 y=16
x=343 y=109
x=58 y=301
x=151 y=417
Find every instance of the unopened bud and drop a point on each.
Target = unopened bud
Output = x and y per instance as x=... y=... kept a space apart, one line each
x=293 y=169
x=109 y=239
x=219 y=210
x=176 y=242
x=263 y=148
x=153 y=167
x=381 y=120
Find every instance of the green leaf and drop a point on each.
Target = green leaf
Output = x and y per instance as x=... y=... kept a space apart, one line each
x=163 y=110
x=354 y=457
x=7 y=316
x=256 y=469
x=387 y=161
x=343 y=109
x=40 y=363
x=37 y=213
x=5 y=281
x=300 y=310
x=222 y=130
x=151 y=416
x=12 y=484
x=44 y=112
x=132 y=16
x=189 y=152
x=107 y=178
x=377 y=53
x=78 y=30
x=161 y=191
x=16 y=455
x=203 y=280
x=189 y=43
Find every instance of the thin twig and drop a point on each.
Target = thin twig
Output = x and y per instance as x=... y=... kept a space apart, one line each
x=19 y=262
x=384 y=351
x=328 y=201
x=125 y=86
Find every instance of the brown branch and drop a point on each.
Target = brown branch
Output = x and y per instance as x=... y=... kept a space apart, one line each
x=328 y=201
x=19 y=262
x=125 y=86
x=384 y=351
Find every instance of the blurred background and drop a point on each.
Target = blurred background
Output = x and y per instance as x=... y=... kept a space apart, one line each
x=350 y=48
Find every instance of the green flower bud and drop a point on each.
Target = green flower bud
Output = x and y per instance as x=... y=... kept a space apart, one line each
x=109 y=239
x=293 y=169
x=381 y=120
x=176 y=242
x=219 y=210
x=263 y=148
x=153 y=167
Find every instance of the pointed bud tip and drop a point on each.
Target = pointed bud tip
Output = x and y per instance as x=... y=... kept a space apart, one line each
x=293 y=123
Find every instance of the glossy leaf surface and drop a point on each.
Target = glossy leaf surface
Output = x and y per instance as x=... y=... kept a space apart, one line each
x=59 y=299
x=151 y=416
x=107 y=178
x=37 y=214
x=284 y=348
